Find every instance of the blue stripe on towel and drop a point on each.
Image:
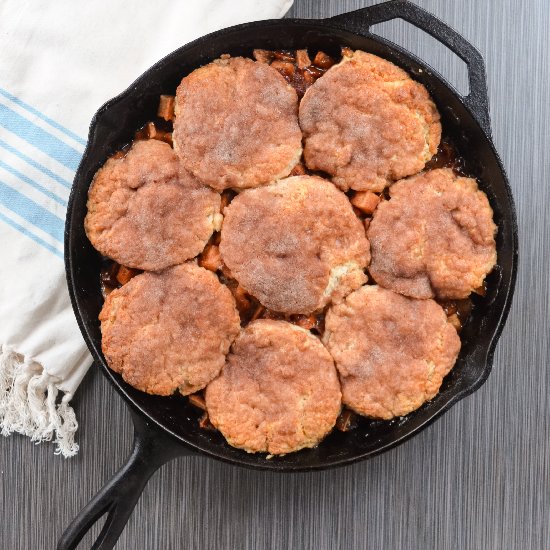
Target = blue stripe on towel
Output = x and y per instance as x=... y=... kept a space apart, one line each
x=31 y=212
x=39 y=138
x=32 y=236
x=32 y=183
x=45 y=118
x=35 y=164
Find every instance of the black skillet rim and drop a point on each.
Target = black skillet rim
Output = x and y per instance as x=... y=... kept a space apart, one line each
x=326 y=25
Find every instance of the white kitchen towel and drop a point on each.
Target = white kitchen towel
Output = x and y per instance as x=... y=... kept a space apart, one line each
x=60 y=60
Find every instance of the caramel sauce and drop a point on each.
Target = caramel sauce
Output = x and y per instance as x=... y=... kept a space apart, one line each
x=107 y=277
x=300 y=78
x=347 y=420
x=447 y=156
x=112 y=275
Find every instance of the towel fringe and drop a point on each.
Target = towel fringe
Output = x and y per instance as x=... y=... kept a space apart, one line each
x=28 y=406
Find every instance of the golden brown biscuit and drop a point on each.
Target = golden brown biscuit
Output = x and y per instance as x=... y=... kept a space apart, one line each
x=278 y=391
x=237 y=124
x=391 y=352
x=169 y=331
x=434 y=237
x=367 y=123
x=295 y=245
x=146 y=212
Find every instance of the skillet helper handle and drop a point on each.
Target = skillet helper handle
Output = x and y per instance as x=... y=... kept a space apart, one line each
x=120 y=494
x=477 y=100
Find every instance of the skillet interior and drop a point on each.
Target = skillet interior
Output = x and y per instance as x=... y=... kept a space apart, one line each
x=114 y=126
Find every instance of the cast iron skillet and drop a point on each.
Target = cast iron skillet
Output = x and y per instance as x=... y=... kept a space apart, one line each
x=167 y=427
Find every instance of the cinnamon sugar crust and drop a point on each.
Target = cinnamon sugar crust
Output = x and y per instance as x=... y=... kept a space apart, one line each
x=435 y=237
x=169 y=332
x=367 y=123
x=295 y=245
x=237 y=124
x=391 y=352
x=277 y=393
x=145 y=211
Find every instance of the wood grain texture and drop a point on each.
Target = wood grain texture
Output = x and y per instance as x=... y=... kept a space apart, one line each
x=479 y=478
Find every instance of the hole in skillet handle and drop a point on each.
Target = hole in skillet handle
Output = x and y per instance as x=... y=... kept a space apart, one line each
x=118 y=497
x=432 y=52
x=360 y=21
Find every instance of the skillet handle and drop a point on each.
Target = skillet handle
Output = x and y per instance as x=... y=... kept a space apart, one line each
x=360 y=21
x=120 y=494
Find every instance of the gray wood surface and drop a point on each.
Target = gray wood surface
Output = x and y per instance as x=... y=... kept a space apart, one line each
x=479 y=478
